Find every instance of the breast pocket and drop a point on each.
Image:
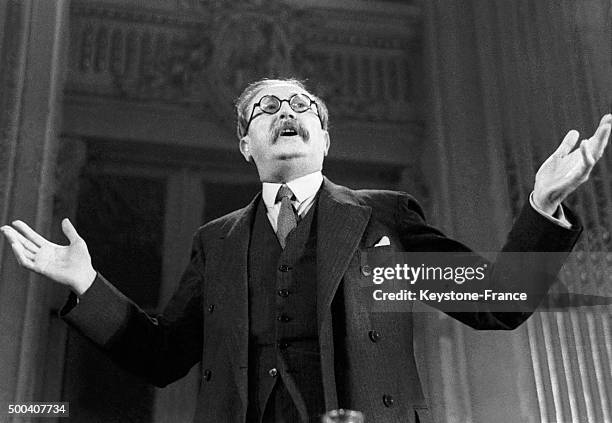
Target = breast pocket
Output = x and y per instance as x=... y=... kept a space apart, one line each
x=383 y=279
x=377 y=257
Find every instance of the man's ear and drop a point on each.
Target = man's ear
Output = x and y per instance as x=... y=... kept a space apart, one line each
x=327 y=142
x=243 y=144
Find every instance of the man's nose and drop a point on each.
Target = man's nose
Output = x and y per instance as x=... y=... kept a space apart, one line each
x=286 y=112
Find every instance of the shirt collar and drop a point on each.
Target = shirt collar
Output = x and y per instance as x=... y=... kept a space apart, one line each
x=303 y=188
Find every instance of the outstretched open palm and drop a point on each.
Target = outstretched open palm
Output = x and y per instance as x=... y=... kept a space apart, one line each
x=568 y=167
x=69 y=265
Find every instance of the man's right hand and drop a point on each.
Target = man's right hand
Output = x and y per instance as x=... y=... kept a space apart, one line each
x=69 y=265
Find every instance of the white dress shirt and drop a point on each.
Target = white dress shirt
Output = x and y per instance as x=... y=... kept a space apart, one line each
x=304 y=189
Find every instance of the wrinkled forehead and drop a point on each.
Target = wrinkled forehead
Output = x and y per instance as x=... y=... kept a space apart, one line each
x=282 y=90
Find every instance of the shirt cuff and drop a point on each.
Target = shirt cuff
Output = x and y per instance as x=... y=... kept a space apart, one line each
x=558 y=217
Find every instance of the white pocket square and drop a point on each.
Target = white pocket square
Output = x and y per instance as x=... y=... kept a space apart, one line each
x=383 y=241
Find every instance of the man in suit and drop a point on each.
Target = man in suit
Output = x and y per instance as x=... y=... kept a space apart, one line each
x=271 y=302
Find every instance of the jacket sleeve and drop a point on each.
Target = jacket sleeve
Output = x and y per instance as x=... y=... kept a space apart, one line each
x=530 y=233
x=160 y=349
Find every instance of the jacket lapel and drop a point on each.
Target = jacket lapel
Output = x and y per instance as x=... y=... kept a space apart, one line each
x=232 y=279
x=341 y=222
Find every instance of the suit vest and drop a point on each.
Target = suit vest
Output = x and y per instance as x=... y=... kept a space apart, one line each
x=284 y=359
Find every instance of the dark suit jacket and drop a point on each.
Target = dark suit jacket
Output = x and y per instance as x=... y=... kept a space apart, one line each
x=207 y=318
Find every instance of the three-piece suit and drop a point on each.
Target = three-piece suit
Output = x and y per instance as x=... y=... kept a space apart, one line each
x=366 y=359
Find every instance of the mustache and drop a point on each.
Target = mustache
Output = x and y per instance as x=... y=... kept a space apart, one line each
x=279 y=126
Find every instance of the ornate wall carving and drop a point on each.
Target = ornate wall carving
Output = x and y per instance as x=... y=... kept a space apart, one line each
x=199 y=54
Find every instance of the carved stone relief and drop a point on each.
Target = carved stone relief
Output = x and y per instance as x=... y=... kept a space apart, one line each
x=203 y=60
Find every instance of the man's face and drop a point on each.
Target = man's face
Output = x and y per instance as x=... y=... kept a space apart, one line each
x=287 y=144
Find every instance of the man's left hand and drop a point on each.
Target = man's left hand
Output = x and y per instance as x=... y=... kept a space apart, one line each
x=568 y=167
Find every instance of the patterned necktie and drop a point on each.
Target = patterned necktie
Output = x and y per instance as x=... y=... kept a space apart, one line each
x=287 y=219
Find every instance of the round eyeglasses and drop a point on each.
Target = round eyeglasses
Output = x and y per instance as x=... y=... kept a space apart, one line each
x=270 y=104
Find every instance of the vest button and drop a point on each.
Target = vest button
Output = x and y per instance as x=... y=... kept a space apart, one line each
x=283 y=318
x=273 y=372
x=374 y=335
x=211 y=308
x=366 y=270
x=388 y=401
x=284 y=268
x=207 y=375
x=283 y=345
x=283 y=293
